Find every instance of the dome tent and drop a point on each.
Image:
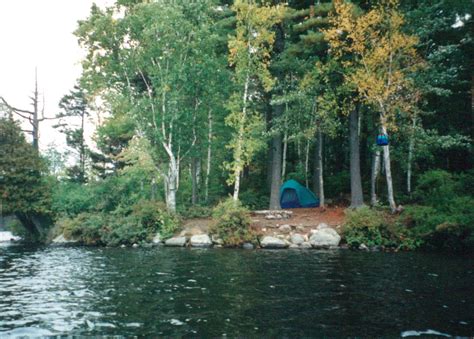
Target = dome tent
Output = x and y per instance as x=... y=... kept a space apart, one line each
x=295 y=195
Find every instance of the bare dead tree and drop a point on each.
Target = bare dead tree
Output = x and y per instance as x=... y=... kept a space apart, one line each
x=32 y=116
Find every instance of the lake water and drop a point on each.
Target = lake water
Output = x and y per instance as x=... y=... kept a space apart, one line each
x=218 y=292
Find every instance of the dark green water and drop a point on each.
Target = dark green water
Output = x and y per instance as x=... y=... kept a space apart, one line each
x=208 y=293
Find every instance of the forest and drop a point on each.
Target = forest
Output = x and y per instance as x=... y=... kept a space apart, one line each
x=206 y=103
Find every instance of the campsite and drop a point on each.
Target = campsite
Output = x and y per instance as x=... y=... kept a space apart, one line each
x=236 y=168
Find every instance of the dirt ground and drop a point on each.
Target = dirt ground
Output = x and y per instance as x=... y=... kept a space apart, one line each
x=302 y=220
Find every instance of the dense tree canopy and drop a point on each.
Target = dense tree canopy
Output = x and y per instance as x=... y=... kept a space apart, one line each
x=206 y=99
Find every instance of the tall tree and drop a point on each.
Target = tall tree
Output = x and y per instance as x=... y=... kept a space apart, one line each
x=74 y=107
x=23 y=189
x=143 y=59
x=33 y=117
x=249 y=54
x=383 y=58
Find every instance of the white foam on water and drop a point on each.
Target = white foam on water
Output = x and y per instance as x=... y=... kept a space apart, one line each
x=413 y=333
x=176 y=322
x=8 y=236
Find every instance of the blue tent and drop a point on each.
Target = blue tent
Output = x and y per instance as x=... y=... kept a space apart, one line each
x=295 y=195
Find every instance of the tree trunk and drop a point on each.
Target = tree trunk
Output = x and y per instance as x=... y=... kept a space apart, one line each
x=240 y=140
x=285 y=149
x=357 y=197
x=306 y=164
x=276 y=172
x=194 y=180
x=318 y=182
x=171 y=185
x=374 y=176
x=411 y=148
x=388 y=174
x=209 y=154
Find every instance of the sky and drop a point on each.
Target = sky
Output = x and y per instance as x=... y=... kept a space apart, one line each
x=38 y=34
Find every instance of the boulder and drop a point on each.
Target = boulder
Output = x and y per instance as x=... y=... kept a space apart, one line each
x=201 y=240
x=325 y=237
x=157 y=240
x=305 y=245
x=322 y=226
x=293 y=246
x=297 y=239
x=176 y=242
x=272 y=242
x=247 y=246
x=61 y=240
x=285 y=229
x=363 y=247
x=216 y=240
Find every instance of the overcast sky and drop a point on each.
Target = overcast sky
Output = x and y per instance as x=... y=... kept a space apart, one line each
x=38 y=34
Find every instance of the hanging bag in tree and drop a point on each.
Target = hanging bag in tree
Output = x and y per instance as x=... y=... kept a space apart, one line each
x=382 y=140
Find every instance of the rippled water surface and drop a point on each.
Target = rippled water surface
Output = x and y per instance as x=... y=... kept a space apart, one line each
x=164 y=291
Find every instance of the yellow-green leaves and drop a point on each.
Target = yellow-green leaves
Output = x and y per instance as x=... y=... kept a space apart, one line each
x=377 y=55
x=250 y=48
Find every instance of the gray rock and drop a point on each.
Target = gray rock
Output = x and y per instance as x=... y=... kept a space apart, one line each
x=176 y=242
x=300 y=228
x=201 y=240
x=363 y=247
x=216 y=240
x=297 y=239
x=247 y=246
x=60 y=239
x=293 y=246
x=325 y=238
x=322 y=226
x=135 y=245
x=272 y=242
x=285 y=229
x=306 y=245
x=157 y=240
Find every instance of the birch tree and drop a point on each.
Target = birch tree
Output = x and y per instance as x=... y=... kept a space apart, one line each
x=139 y=53
x=381 y=60
x=249 y=54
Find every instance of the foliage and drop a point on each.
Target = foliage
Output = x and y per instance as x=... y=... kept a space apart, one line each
x=138 y=224
x=23 y=186
x=232 y=223
x=196 y=211
x=249 y=53
x=367 y=226
x=445 y=218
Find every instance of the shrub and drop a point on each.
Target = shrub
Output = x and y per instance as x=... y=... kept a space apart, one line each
x=435 y=188
x=127 y=226
x=196 y=211
x=154 y=217
x=232 y=223
x=366 y=226
x=253 y=200
x=86 y=228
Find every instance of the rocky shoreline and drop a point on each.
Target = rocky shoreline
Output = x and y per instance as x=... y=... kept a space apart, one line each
x=321 y=237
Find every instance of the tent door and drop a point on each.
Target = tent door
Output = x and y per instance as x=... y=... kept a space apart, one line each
x=289 y=199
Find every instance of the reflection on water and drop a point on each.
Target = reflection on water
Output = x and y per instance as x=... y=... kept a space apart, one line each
x=89 y=291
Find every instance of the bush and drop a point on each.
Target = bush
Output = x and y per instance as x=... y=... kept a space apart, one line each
x=449 y=228
x=253 y=200
x=367 y=226
x=86 y=228
x=435 y=188
x=232 y=223
x=445 y=217
x=196 y=211
x=125 y=226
